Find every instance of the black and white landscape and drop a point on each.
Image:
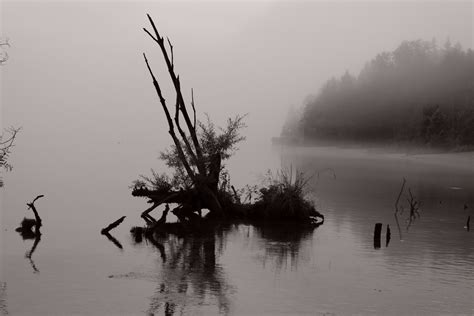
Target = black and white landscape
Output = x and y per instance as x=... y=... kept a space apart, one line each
x=236 y=157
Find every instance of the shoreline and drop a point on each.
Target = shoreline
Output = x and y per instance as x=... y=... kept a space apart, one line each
x=457 y=160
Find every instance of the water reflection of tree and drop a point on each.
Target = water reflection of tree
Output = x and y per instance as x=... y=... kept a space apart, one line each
x=29 y=254
x=36 y=236
x=283 y=243
x=190 y=275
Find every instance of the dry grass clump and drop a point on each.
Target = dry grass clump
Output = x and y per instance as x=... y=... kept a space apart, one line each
x=283 y=197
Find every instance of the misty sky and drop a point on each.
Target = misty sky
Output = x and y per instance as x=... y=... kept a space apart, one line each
x=76 y=72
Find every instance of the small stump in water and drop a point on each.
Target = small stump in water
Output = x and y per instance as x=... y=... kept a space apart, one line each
x=27 y=224
x=377 y=235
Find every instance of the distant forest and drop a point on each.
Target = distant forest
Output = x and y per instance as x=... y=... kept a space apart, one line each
x=419 y=93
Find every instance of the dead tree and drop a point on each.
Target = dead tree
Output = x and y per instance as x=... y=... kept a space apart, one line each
x=199 y=167
x=196 y=156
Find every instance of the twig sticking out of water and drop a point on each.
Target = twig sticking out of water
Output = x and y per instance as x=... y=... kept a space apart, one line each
x=111 y=226
x=414 y=206
x=35 y=211
x=106 y=232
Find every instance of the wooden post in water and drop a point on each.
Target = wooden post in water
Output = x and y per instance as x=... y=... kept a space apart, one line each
x=377 y=235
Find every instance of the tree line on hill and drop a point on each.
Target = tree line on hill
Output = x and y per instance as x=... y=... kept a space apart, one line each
x=420 y=93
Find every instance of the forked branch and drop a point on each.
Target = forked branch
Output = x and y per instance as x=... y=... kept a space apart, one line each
x=176 y=141
x=180 y=104
x=33 y=208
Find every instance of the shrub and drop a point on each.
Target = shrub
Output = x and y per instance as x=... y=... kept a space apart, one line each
x=283 y=197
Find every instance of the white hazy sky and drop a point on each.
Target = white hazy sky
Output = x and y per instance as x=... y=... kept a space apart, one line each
x=76 y=77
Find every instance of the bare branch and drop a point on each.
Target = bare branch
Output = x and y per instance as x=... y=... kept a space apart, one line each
x=35 y=211
x=38 y=197
x=183 y=135
x=111 y=226
x=9 y=142
x=170 y=122
x=156 y=40
x=194 y=109
x=171 y=48
x=182 y=106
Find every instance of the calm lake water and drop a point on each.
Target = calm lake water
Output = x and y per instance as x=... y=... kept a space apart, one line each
x=241 y=269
